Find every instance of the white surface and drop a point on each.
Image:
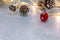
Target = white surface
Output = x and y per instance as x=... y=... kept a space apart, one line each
x=28 y=27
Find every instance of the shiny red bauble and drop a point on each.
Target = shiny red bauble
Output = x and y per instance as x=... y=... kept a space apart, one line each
x=44 y=16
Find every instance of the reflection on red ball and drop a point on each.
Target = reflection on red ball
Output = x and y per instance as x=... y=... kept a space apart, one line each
x=44 y=17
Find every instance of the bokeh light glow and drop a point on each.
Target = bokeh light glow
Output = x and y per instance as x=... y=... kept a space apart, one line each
x=7 y=1
x=33 y=10
x=57 y=17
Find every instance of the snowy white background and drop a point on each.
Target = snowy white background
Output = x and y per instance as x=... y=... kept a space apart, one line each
x=29 y=27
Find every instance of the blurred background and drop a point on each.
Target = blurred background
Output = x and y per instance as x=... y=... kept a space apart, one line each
x=30 y=27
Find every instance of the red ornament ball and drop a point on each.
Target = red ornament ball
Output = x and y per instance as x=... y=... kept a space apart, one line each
x=44 y=17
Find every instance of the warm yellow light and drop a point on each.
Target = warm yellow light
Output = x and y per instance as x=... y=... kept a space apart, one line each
x=21 y=3
x=57 y=18
x=11 y=0
x=32 y=1
x=24 y=3
x=33 y=10
x=55 y=14
x=36 y=4
x=57 y=3
x=57 y=23
x=7 y=1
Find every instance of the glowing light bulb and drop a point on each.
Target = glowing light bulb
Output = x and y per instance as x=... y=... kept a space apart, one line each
x=33 y=10
x=7 y=1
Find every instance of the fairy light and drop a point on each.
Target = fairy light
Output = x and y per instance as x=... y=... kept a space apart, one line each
x=57 y=17
x=57 y=3
x=7 y=1
x=58 y=14
x=33 y=10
